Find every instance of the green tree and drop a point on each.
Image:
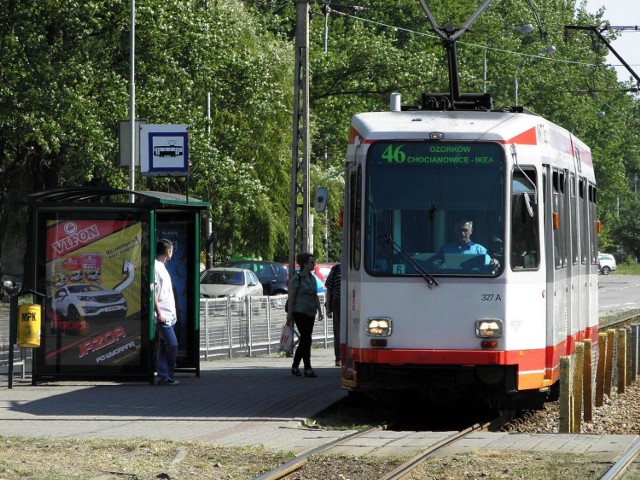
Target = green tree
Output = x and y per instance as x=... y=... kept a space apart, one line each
x=626 y=228
x=65 y=86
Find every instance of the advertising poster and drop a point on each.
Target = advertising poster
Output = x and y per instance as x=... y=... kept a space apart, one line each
x=93 y=289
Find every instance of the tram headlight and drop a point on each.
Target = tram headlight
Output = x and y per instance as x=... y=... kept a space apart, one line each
x=489 y=328
x=379 y=327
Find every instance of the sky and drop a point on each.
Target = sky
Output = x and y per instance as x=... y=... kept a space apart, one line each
x=622 y=13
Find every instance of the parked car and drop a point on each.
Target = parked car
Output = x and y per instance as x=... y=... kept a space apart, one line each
x=606 y=263
x=229 y=282
x=86 y=301
x=272 y=275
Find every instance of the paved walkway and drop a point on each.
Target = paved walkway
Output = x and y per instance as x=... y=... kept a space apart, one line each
x=242 y=401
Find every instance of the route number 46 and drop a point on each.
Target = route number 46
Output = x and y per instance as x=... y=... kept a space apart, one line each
x=396 y=154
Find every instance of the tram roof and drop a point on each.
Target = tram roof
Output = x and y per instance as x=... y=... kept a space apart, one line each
x=520 y=128
x=463 y=125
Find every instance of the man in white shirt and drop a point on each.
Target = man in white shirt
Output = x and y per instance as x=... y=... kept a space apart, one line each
x=164 y=305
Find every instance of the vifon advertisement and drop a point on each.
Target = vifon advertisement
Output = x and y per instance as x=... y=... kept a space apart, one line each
x=93 y=289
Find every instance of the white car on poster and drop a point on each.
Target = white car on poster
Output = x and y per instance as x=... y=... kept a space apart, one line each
x=88 y=301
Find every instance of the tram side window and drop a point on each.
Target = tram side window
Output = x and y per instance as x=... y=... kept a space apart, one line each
x=525 y=237
x=584 y=224
x=593 y=201
x=559 y=223
x=574 y=208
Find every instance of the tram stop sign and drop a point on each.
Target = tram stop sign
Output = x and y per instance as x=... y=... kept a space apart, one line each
x=164 y=150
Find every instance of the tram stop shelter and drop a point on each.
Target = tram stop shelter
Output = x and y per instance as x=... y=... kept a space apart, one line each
x=91 y=257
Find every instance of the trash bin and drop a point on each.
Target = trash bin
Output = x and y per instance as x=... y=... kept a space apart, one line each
x=29 y=321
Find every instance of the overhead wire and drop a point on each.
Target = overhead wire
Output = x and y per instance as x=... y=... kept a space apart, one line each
x=459 y=42
x=522 y=55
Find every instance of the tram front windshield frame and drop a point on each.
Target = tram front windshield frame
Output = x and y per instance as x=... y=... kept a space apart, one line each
x=418 y=194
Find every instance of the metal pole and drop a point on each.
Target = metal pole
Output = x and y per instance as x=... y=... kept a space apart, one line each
x=523 y=29
x=132 y=98
x=516 y=85
x=484 y=71
x=209 y=253
x=326 y=33
x=299 y=225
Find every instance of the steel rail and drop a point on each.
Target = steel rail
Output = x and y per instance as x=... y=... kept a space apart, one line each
x=618 y=468
x=411 y=464
x=630 y=317
x=297 y=462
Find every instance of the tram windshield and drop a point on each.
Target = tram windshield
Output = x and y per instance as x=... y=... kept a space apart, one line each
x=437 y=205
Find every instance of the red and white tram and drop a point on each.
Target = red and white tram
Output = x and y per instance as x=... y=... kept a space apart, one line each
x=451 y=324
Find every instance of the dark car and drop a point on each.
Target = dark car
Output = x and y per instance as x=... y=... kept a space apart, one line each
x=272 y=275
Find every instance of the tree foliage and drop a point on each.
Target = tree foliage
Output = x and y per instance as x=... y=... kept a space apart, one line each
x=393 y=49
x=65 y=84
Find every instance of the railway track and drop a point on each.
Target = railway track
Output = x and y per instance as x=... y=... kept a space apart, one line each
x=410 y=465
x=299 y=461
x=618 y=469
x=399 y=472
x=622 y=320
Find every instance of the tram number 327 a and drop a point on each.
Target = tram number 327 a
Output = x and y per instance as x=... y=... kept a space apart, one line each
x=490 y=297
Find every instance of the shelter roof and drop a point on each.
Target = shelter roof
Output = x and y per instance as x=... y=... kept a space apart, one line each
x=112 y=196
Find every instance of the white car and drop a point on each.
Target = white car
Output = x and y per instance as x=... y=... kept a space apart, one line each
x=229 y=282
x=606 y=263
x=86 y=301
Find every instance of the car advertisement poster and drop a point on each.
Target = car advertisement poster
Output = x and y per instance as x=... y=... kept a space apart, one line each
x=93 y=290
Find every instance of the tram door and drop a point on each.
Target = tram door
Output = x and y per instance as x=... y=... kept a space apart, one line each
x=557 y=228
x=576 y=291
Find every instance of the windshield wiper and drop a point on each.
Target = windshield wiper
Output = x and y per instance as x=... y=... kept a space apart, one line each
x=427 y=277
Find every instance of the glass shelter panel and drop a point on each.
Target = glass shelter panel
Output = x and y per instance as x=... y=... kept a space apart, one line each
x=180 y=228
x=434 y=206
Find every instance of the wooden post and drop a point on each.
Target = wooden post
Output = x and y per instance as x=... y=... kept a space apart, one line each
x=602 y=356
x=578 y=372
x=608 y=368
x=628 y=378
x=565 y=395
x=622 y=360
x=588 y=381
x=634 y=352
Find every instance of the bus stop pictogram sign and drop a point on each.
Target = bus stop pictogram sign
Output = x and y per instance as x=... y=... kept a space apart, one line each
x=164 y=150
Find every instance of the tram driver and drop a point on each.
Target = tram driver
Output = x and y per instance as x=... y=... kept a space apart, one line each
x=462 y=244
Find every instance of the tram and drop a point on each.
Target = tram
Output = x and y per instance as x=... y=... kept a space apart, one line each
x=494 y=321
x=470 y=248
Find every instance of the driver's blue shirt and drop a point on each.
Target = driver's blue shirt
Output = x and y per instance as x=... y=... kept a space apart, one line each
x=469 y=248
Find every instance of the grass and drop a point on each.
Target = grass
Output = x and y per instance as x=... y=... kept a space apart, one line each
x=627 y=269
x=55 y=459
x=510 y=465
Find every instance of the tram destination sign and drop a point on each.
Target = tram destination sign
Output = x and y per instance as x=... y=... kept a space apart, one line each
x=420 y=153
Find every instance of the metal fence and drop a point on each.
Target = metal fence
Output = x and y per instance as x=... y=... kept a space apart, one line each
x=228 y=328
x=250 y=326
